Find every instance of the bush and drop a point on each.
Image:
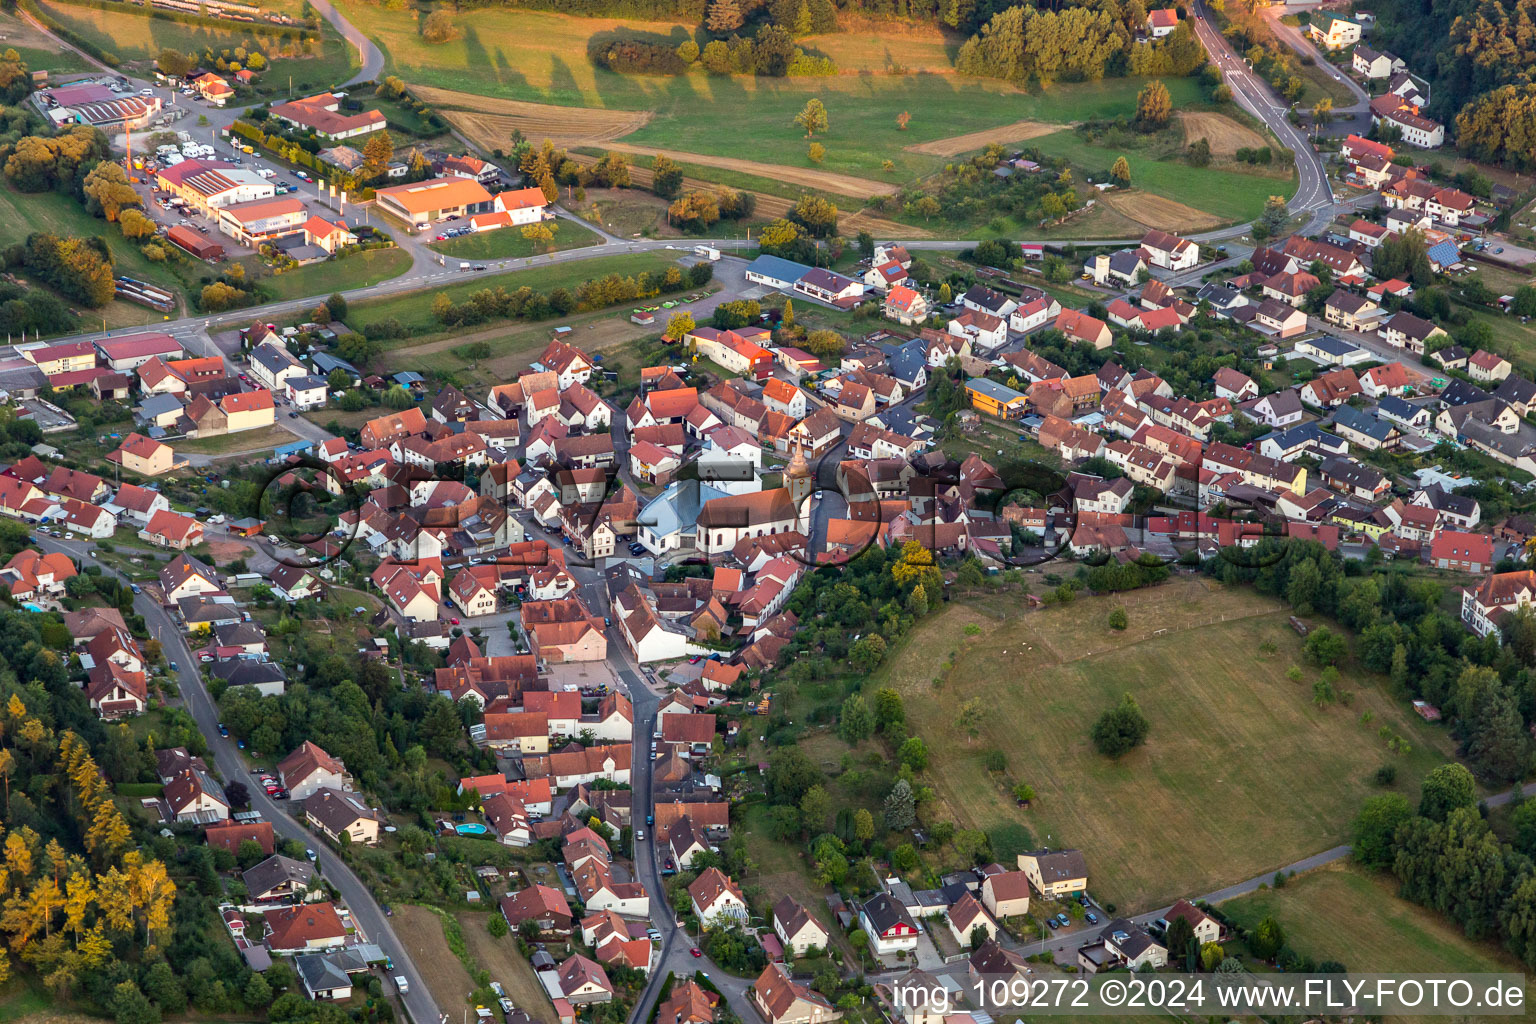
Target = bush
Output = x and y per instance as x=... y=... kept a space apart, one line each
x=1117 y=619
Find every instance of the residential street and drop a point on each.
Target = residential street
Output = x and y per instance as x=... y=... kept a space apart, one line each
x=225 y=756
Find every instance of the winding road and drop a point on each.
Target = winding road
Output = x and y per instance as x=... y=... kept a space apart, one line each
x=1313 y=197
x=225 y=756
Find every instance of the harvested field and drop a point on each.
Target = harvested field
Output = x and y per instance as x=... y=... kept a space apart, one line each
x=1019 y=131
x=1153 y=211
x=422 y=932
x=490 y=122
x=1225 y=135
x=827 y=181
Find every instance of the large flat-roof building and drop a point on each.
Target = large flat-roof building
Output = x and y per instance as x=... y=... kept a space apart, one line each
x=263 y=221
x=422 y=202
x=208 y=185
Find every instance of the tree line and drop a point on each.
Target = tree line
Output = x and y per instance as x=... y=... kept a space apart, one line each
x=771 y=52
x=1446 y=856
x=1074 y=44
x=1479 y=57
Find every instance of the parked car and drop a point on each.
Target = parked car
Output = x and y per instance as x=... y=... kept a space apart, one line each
x=223 y=729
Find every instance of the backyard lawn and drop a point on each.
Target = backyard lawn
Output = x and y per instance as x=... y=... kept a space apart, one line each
x=359 y=270
x=240 y=441
x=1240 y=775
x=509 y=243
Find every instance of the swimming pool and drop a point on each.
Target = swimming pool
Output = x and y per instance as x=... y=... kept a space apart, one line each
x=29 y=606
x=473 y=828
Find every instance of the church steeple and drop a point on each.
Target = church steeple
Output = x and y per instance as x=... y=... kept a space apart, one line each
x=798 y=479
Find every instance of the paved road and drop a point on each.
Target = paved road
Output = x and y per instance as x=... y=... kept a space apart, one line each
x=1297 y=40
x=369 y=55
x=1253 y=94
x=224 y=754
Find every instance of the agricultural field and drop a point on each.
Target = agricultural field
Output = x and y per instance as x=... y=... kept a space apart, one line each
x=509 y=243
x=134 y=36
x=1239 y=764
x=541 y=58
x=1225 y=135
x=356 y=271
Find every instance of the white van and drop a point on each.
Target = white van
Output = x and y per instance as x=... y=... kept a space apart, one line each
x=401 y=985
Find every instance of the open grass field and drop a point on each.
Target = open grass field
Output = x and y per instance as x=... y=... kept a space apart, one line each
x=508 y=243
x=356 y=271
x=1344 y=913
x=413 y=309
x=23 y=213
x=37 y=48
x=133 y=36
x=500 y=957
x=1240 y=775
x=541 y=57
x=1224 y=134
x=1220 y=194
x=422 y=932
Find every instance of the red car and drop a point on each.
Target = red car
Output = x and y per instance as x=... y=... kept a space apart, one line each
x=696 y=951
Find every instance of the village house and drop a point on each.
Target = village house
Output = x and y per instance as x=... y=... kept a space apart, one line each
x=797 y=930
x=888 y=925
x=783 y=1000
x=716 y=899
x=335 y=813
x=1485 y=606
x=1055 y=872
x=309 y=769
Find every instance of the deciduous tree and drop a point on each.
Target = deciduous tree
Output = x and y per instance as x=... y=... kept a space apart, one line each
x=812 y=117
